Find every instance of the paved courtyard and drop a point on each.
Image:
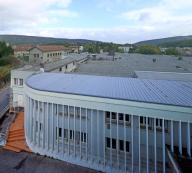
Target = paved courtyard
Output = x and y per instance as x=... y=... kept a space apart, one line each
x=11 y=162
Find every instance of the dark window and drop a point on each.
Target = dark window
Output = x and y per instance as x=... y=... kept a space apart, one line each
x=126 y=117
x=114 y=143
x=113 y=115
x=121 y=145
x=60 y=132
x=40 y=126
x=127 y=146
x=60 y=69
x=107 y=114
x=142 y=120
x=108 y=142
x=120 y=116
x=71 y=134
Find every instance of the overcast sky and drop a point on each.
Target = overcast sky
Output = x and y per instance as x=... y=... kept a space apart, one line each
x=120 y=21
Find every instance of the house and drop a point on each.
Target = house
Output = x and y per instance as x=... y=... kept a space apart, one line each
x=22 y=50
x=46 y=53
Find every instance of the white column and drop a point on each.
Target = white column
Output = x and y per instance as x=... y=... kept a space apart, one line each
x=98 y=135
x=125 y=154
x=104 y=138
x=139 y=141
x=34 y=124
x=147 y=145
x=63 y=119
x=155 y=146
x=110 y=140
x=132 y=161
x=188 y=139
x=87 y=134
x=43 y=125
x=57 y=107
x=117 y=139
x=163 y=141
x=52 y=128
x=80 y=129
x=91 y=155
x=38 y=123
x=31 y=116
x=36 y=112
x=48 y=126
x=68 y=116
x=180 y=138
x=172 y=143
x=74 y=111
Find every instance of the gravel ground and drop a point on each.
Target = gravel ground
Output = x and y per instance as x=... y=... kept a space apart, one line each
x=11 y=162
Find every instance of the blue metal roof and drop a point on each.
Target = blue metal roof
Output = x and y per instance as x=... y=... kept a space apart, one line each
x=141 y=90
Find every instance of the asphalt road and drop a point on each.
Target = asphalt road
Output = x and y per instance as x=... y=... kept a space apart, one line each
x=11 y=162
x=4 y=98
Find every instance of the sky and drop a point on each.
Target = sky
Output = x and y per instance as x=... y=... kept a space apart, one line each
x=119 y=21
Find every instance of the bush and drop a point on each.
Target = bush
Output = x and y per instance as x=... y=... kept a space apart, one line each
x=146 y=49
x=172 y=51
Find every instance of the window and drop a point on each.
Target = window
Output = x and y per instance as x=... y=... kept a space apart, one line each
x=47 y=55
x=127 y=117
x=65 y=133
x=127 y=146
x=15 y=81
x=34 y=55
x=159 y=123
x=83 y=137
x=121 y=145
x=108 y=142
x=114 y=143
x=21 y=82
x=107 y=115
x=120 y=117
x=36 y=126
x=40 y=127
x=114 y=116
x=71 y=134
x=60 y=132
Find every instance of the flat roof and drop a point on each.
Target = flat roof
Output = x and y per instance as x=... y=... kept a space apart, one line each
x=164 y=75
x=132 y=89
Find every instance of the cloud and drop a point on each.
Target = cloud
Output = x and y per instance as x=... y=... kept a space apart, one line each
x=22 y=13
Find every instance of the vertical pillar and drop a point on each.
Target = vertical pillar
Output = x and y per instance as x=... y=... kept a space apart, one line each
x=80 y=129
x=139 y=141
x=163 y=141
x=155 y=147
x=86 y=133
x=125 y=154
x=117 y=139
x=62 y=128
x=43 y=124
x=104 y=138
x=147 y=145
x=34 y=112
x=91 y=155
x=52 y=127
x=57 y=107
x=68 y=116
x=180 y=139
x=98 y=136
x=48 y=125
x=172 y=143
x=111 y=140
x=38 y=124
x=188 y=139
x=132 y=140
x=74 y=112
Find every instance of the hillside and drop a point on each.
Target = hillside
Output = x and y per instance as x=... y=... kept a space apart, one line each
x=179 y=41
x=22 y=39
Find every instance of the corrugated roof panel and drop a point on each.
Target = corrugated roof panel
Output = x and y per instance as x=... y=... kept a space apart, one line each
x=141 y=90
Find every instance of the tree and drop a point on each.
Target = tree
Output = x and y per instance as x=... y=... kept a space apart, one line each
x=147 y=49
x=172 y=51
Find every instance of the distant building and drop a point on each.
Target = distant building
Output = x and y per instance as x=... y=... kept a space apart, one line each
x=125 y=48
x=46 y=53
x=22 y=50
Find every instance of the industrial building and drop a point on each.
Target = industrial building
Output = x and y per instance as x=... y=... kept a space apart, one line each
x=111 y=124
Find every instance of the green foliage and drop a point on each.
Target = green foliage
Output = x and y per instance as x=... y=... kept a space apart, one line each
x=5 y=50
x=106 y=47
x=172 y=51
x=147 y=49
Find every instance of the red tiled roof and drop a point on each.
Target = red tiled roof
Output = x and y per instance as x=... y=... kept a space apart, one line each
x=19 y=48
x=49 y=48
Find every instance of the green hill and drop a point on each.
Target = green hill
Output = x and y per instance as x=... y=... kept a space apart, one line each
x=179 y=41
x=22 y=39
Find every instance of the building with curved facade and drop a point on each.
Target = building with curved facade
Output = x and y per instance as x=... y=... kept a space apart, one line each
x=110 y=124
